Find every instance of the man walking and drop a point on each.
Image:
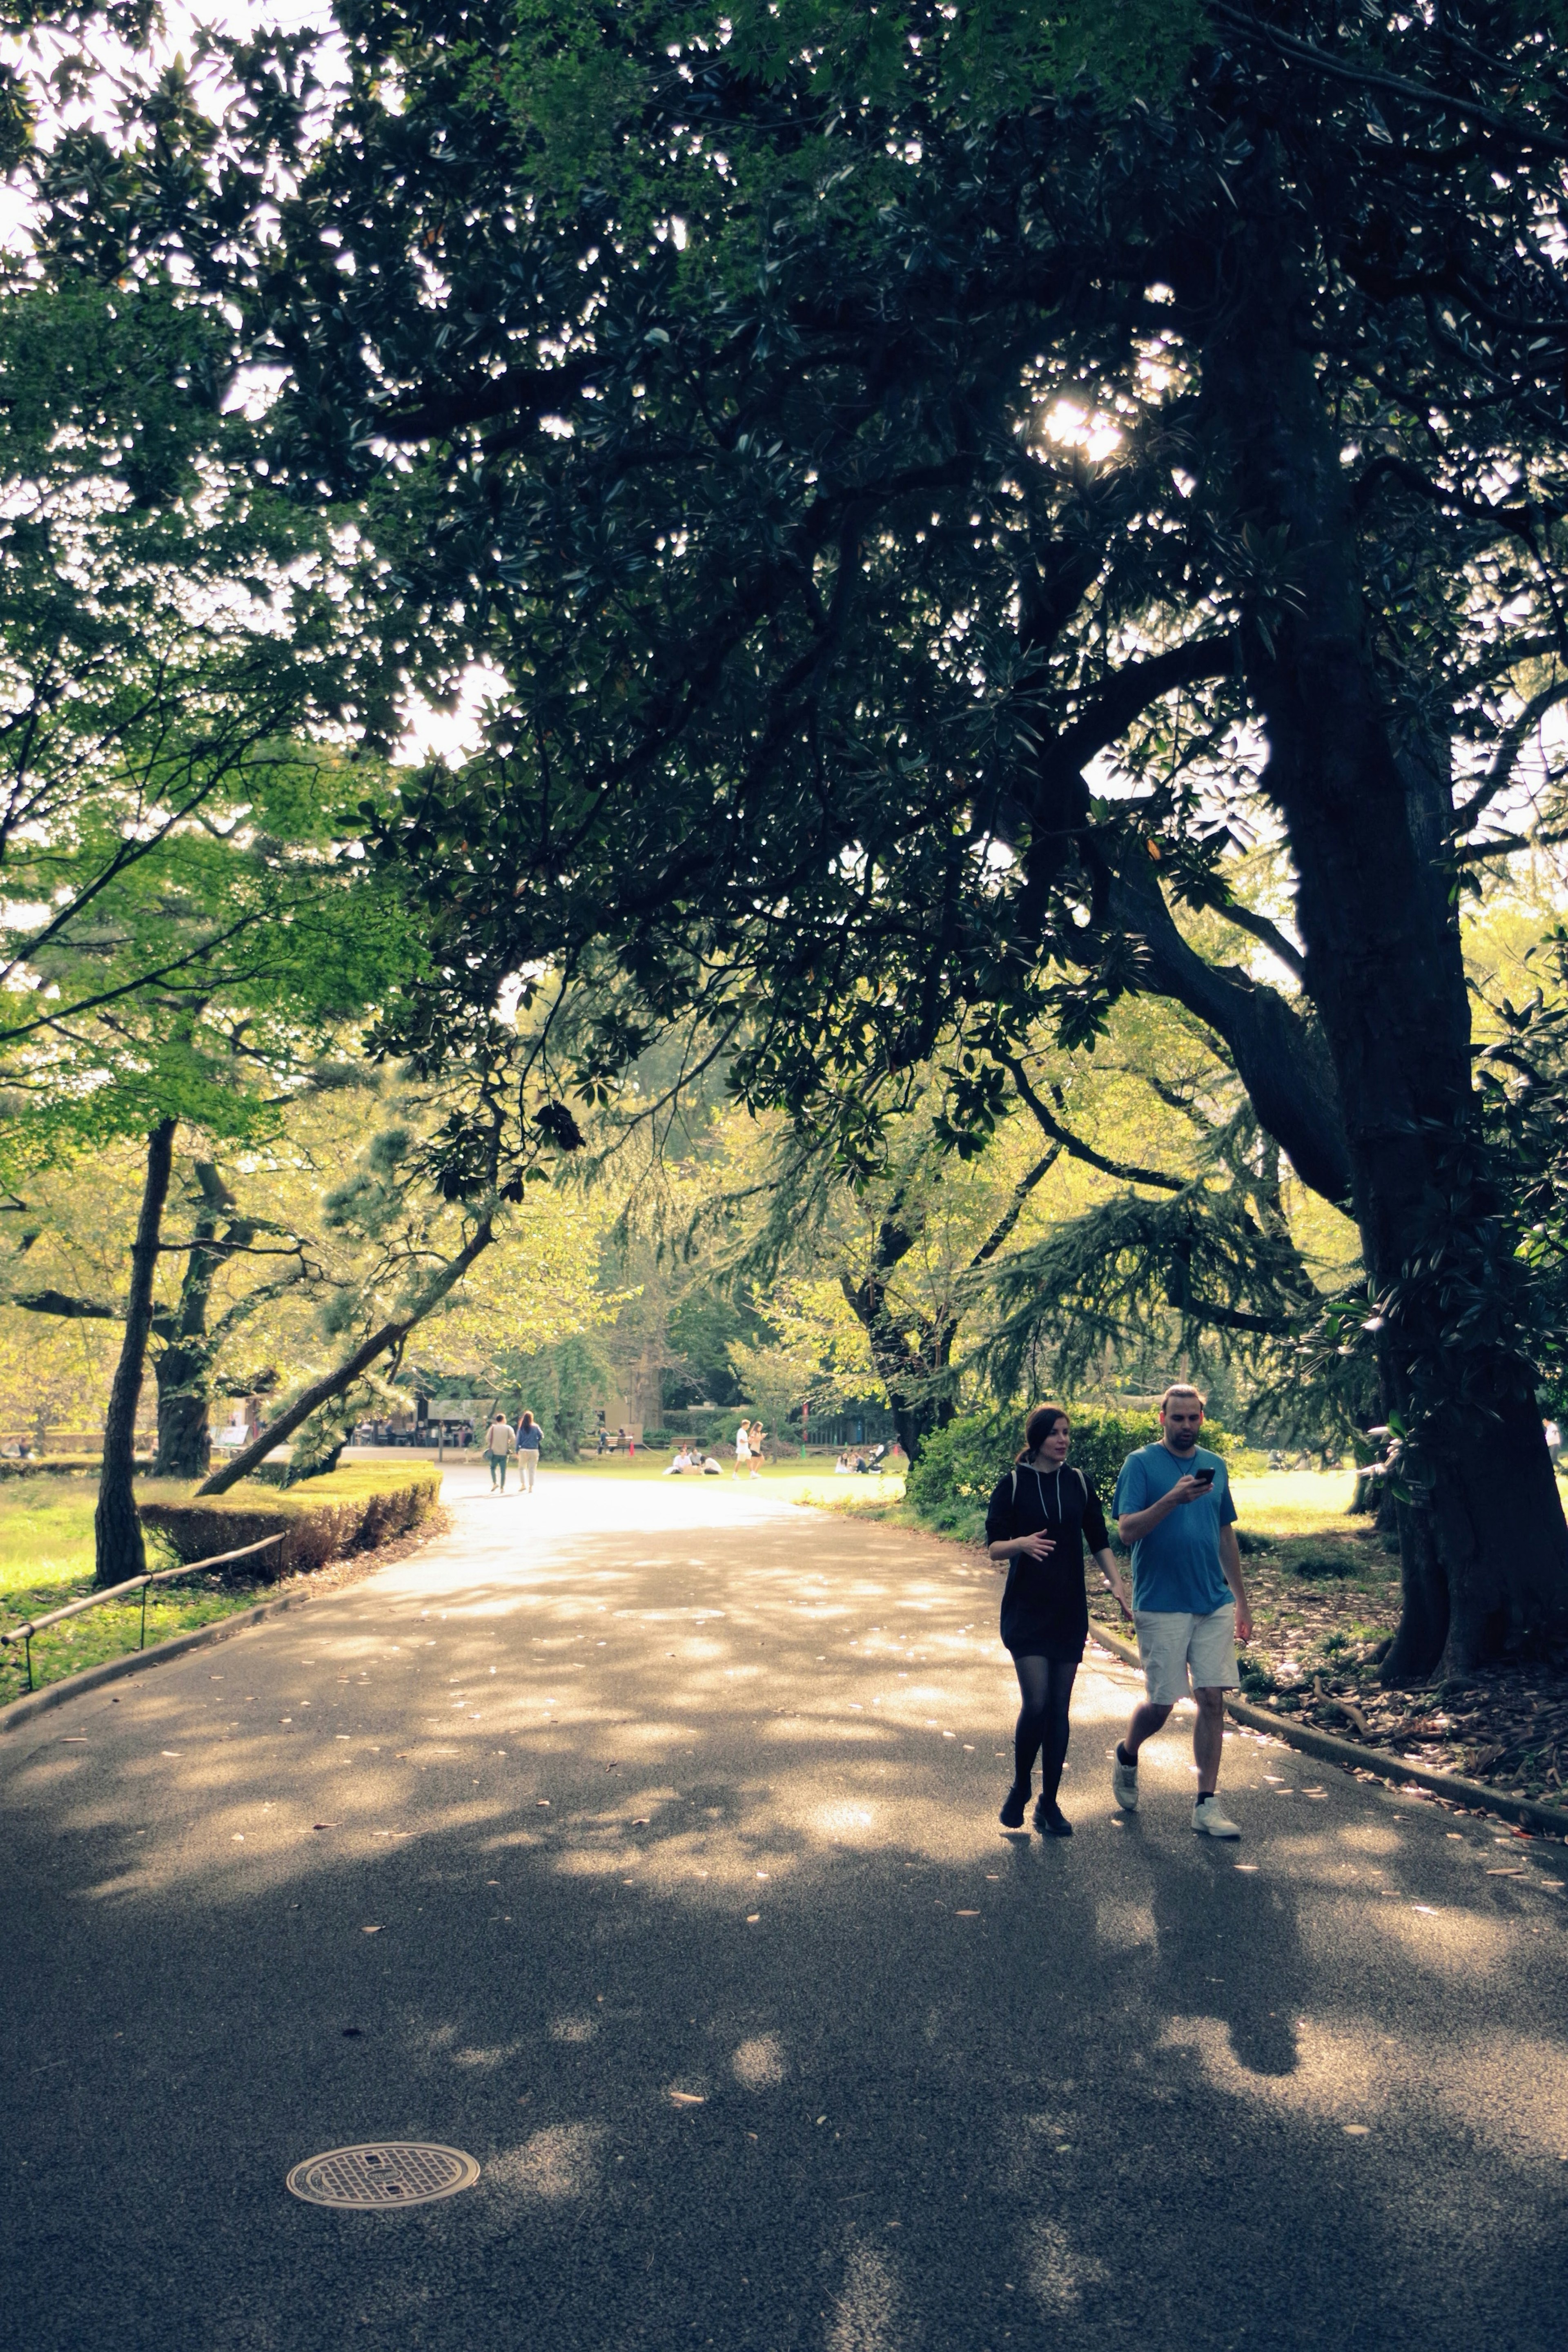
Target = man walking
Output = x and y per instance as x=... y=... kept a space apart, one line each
x=499 y=1445
x=1173 y=1506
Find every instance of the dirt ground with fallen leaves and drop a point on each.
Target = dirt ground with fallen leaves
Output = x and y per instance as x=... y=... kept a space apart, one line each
x=1325 y=1605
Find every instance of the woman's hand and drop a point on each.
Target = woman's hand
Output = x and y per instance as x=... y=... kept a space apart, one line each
x=1039 y=1546
x=1035 y=1547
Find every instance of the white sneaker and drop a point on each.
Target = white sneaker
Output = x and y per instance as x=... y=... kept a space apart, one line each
x=1209 y=1821
x=1124 y=1783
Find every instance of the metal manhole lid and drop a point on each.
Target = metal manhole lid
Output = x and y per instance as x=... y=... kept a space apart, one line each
x=383 y=2172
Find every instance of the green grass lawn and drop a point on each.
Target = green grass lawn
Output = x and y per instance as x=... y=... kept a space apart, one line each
x=46 y=1559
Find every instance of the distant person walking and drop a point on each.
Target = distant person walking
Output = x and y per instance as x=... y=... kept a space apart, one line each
x=499 y=1446
x=756 y=1435
x=742 y=1448
x=1036 y=1522
x=1173 y=1506
x=531 y=1437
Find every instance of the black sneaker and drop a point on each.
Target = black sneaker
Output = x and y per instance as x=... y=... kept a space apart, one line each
x=1011 y=1814
x=1049 y=1819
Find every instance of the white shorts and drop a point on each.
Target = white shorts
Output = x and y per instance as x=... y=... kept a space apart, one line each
x=1171 y=1640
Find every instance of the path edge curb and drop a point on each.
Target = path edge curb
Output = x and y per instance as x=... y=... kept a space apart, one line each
x=1551 y=1819
x=114 y=1670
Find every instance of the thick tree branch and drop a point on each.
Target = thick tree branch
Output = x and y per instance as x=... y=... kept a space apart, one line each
x=1261 y=928
x=331 y=1384
x=1285 y=44
x=73 y=1310
x=1015 y=1208
x=1280 y=1056
x=1124 y=1171
x=537 y=390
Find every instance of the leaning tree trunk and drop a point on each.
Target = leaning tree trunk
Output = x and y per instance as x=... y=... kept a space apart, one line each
x=1483 y=1546
x=332 y=1384
x=117 y=1529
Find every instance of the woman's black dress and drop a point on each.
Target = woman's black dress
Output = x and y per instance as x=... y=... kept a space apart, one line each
x=1045 y=1612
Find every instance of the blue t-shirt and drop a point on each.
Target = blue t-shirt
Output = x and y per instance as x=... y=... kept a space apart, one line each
x=1176 y=1567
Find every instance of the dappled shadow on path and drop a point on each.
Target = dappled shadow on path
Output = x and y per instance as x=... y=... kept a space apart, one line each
x=658 y=1866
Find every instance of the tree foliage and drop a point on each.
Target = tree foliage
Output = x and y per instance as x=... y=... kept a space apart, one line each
x=924 y=486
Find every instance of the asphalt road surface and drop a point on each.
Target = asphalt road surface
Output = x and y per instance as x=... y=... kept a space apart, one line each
x=564 y=1844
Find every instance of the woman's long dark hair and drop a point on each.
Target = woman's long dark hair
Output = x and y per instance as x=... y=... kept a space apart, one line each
x=1038 y=1426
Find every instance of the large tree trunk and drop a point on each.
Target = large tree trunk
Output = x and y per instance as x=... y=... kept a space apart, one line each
x=1368 y=812
x=183 y=1368
x=918 y=1391
x=117 y=1529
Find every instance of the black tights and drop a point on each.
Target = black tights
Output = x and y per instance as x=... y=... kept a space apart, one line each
x=1042 y=1724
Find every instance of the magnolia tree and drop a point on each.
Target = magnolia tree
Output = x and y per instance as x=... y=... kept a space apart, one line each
x=923 y=485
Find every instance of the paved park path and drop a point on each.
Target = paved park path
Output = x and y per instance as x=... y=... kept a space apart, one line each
x=640 y=1839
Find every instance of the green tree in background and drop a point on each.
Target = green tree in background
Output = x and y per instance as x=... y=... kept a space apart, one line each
x=928 y=483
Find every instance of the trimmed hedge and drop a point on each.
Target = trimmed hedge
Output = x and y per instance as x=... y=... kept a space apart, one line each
x=347 y=1510
x=62 y=1466
x=951 y=1483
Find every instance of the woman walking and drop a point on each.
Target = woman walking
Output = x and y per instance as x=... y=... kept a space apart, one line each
x=1035 y=1526
x=531 y=1437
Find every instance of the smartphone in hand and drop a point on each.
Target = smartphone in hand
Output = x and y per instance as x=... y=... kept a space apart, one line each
x=1202 y=1477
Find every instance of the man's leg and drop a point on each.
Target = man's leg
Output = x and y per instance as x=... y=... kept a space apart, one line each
x=1208 y=1738
x=1147 y=1719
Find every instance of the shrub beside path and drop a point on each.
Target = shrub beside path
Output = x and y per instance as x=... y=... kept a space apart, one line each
x=640 y=1840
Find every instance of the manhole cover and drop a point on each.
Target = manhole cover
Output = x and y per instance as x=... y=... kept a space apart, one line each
x=383 y=2172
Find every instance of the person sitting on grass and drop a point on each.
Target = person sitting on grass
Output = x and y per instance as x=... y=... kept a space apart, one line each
x=682 y=1463
x=711 y=1466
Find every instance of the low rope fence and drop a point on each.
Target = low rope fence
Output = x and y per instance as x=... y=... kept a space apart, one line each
x=142 y=1584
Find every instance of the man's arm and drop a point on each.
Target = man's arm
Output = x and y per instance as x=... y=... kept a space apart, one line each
x=1230 y=1561
x=1131 y=1525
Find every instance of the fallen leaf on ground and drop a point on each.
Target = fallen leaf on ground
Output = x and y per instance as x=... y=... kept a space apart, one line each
x=688 y=2098
x=370 y=1931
